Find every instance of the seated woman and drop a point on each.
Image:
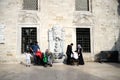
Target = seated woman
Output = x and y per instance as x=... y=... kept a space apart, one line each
x=39 y=57
x=48 y=58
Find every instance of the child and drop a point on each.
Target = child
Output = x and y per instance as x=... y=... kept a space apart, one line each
x=28 y=60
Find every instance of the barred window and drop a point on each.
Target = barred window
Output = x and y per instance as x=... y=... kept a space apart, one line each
x=82 y=5
x=28 y=36
x=83 y=38
x=30 y=4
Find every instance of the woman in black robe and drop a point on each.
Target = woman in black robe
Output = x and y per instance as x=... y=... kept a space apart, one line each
x=79 y=51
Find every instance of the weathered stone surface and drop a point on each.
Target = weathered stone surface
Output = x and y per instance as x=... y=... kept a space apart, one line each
x=56 y=39
x=103 y=20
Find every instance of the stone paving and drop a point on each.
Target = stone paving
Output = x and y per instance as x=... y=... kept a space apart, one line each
x=90 y=71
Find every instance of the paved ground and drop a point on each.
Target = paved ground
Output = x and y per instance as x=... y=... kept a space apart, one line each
x=90 y=71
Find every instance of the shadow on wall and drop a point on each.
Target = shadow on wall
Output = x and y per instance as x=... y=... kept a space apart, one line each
x=117 y=44
x=107 y=56
x=112 y=55
x=118 y=9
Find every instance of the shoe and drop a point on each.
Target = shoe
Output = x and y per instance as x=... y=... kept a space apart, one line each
x=45 y=65
x=50 y=65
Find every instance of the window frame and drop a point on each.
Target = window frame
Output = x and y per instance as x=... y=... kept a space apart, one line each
x=38 y=6
x=85 y=50
x=91 y=38
x=26 y=46
x=89 y=7
x=19 y=30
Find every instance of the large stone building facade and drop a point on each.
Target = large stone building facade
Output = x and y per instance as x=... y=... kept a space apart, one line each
x=92 y=23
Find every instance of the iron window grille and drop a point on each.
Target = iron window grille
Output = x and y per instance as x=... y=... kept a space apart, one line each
x=82 y=5
x=83 y=38
x=30 y=4
x=29 y=35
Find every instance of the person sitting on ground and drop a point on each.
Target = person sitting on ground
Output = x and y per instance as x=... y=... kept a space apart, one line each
x=45 y=59
x=50 y=57
x=39 y=56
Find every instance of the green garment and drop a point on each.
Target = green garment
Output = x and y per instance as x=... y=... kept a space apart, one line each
x=45 y=59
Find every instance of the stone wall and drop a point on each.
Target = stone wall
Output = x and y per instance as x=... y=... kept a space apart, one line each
x=102 y=19
x=105 y=28
x=8 y=18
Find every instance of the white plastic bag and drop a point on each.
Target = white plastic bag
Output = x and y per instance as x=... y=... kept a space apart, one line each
x=75 y=55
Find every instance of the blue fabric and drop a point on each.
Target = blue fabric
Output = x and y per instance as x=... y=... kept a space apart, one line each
x=35 y=48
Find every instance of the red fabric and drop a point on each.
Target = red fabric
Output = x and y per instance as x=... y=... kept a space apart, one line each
x=39 y=54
